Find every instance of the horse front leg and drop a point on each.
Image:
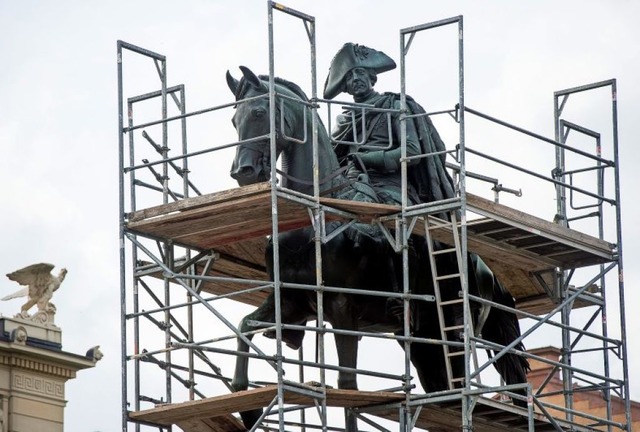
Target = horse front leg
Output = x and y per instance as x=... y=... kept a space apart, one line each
x=347 y=347
x=240 y=379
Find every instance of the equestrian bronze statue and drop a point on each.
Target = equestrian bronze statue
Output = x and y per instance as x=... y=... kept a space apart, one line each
x=358 y=257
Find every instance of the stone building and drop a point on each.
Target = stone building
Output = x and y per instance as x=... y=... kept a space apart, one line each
x=33 y=373
x=590 y=402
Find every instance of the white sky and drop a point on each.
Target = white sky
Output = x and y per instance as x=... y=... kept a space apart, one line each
x=58 y=120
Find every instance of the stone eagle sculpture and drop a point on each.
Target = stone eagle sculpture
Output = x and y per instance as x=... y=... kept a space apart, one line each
x=40 y=286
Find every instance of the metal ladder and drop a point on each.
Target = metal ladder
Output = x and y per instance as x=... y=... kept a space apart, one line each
x=448 y=333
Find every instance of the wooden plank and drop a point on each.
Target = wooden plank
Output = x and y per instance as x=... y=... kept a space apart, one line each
x=358 y=398
x=175 y=225
x=215 y=413
x=193 y=425
x=256 y=398
x=247 y=212
x=520 y=258
x=216 y=406
x=536 y=225
x=519 y=282
x=448 y=418
x=224 y=423
x=227 y=222
x=199 y=201
x=243 y=260
x=251 y=251
x=247 y=229
x=366 y=212
x=235 y=222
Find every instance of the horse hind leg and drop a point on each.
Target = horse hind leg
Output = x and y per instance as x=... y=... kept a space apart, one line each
x=502 y=328
x=342 y=316
x=483 y=315
x=292 y=338
x=347 y=347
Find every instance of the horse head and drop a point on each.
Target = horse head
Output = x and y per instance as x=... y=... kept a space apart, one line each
x=251 y=120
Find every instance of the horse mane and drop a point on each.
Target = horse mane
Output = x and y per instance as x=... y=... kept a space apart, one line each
x=293 y=87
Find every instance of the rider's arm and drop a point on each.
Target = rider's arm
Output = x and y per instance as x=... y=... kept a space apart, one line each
x=389 y=160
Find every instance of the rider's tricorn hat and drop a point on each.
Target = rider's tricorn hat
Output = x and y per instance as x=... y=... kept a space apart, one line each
x=352 y=56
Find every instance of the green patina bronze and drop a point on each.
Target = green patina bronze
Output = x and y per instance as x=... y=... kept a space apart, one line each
x=376 y=143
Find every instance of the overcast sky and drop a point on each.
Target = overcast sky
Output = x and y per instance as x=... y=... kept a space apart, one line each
x=58 y=120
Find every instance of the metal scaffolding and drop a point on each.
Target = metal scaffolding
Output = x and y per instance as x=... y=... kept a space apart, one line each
x=165 y=280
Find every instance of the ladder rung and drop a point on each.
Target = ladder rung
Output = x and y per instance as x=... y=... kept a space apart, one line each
x=436 y=225
x=455 y=354
x=457 y=379
x=451 y=302
x=444 y=251
x=449 y=276
x=456 y=327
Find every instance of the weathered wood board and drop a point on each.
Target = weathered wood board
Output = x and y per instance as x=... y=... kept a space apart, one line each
x=215 y=414
x=235 y=223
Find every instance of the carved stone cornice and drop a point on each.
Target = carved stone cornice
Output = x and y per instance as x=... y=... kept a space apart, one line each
x=37 y=365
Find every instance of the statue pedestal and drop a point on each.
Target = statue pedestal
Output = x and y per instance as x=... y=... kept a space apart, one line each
x=33 y=373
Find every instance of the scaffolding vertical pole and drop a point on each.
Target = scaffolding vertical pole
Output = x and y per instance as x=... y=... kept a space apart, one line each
x=623 y=320
x=134 y=258
x=168 y=246
x=603 y=293
x=310 y=27
x=603 y=290
x=405 y=411
x=567 y=373
x=558 y=172
x=560 y=276
x=165 y=130
x=566 y=128
x=183 y=137
x=311 y=32
x=192 y=268
x=277 y=285
x=309 y=23
x=467 y=406
x=121 y=222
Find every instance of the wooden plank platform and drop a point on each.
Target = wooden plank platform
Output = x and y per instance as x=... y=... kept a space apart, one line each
x=488 y=415
x=234 y=224
x=215 y=414
x=235 y=215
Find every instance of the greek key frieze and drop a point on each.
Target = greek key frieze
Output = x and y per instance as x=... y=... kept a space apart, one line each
x=36 y=384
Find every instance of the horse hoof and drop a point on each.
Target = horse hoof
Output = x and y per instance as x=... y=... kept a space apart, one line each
x=239 y=385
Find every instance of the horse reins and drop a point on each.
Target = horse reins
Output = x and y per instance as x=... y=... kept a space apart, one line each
x=322 y=181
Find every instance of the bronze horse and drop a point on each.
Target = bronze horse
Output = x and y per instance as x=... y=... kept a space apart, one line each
x=359 y=257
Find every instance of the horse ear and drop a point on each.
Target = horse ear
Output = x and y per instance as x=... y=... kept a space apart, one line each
x=250 y=77
x=232 y=83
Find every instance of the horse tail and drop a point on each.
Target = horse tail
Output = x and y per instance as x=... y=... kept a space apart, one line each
x=502 y=328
